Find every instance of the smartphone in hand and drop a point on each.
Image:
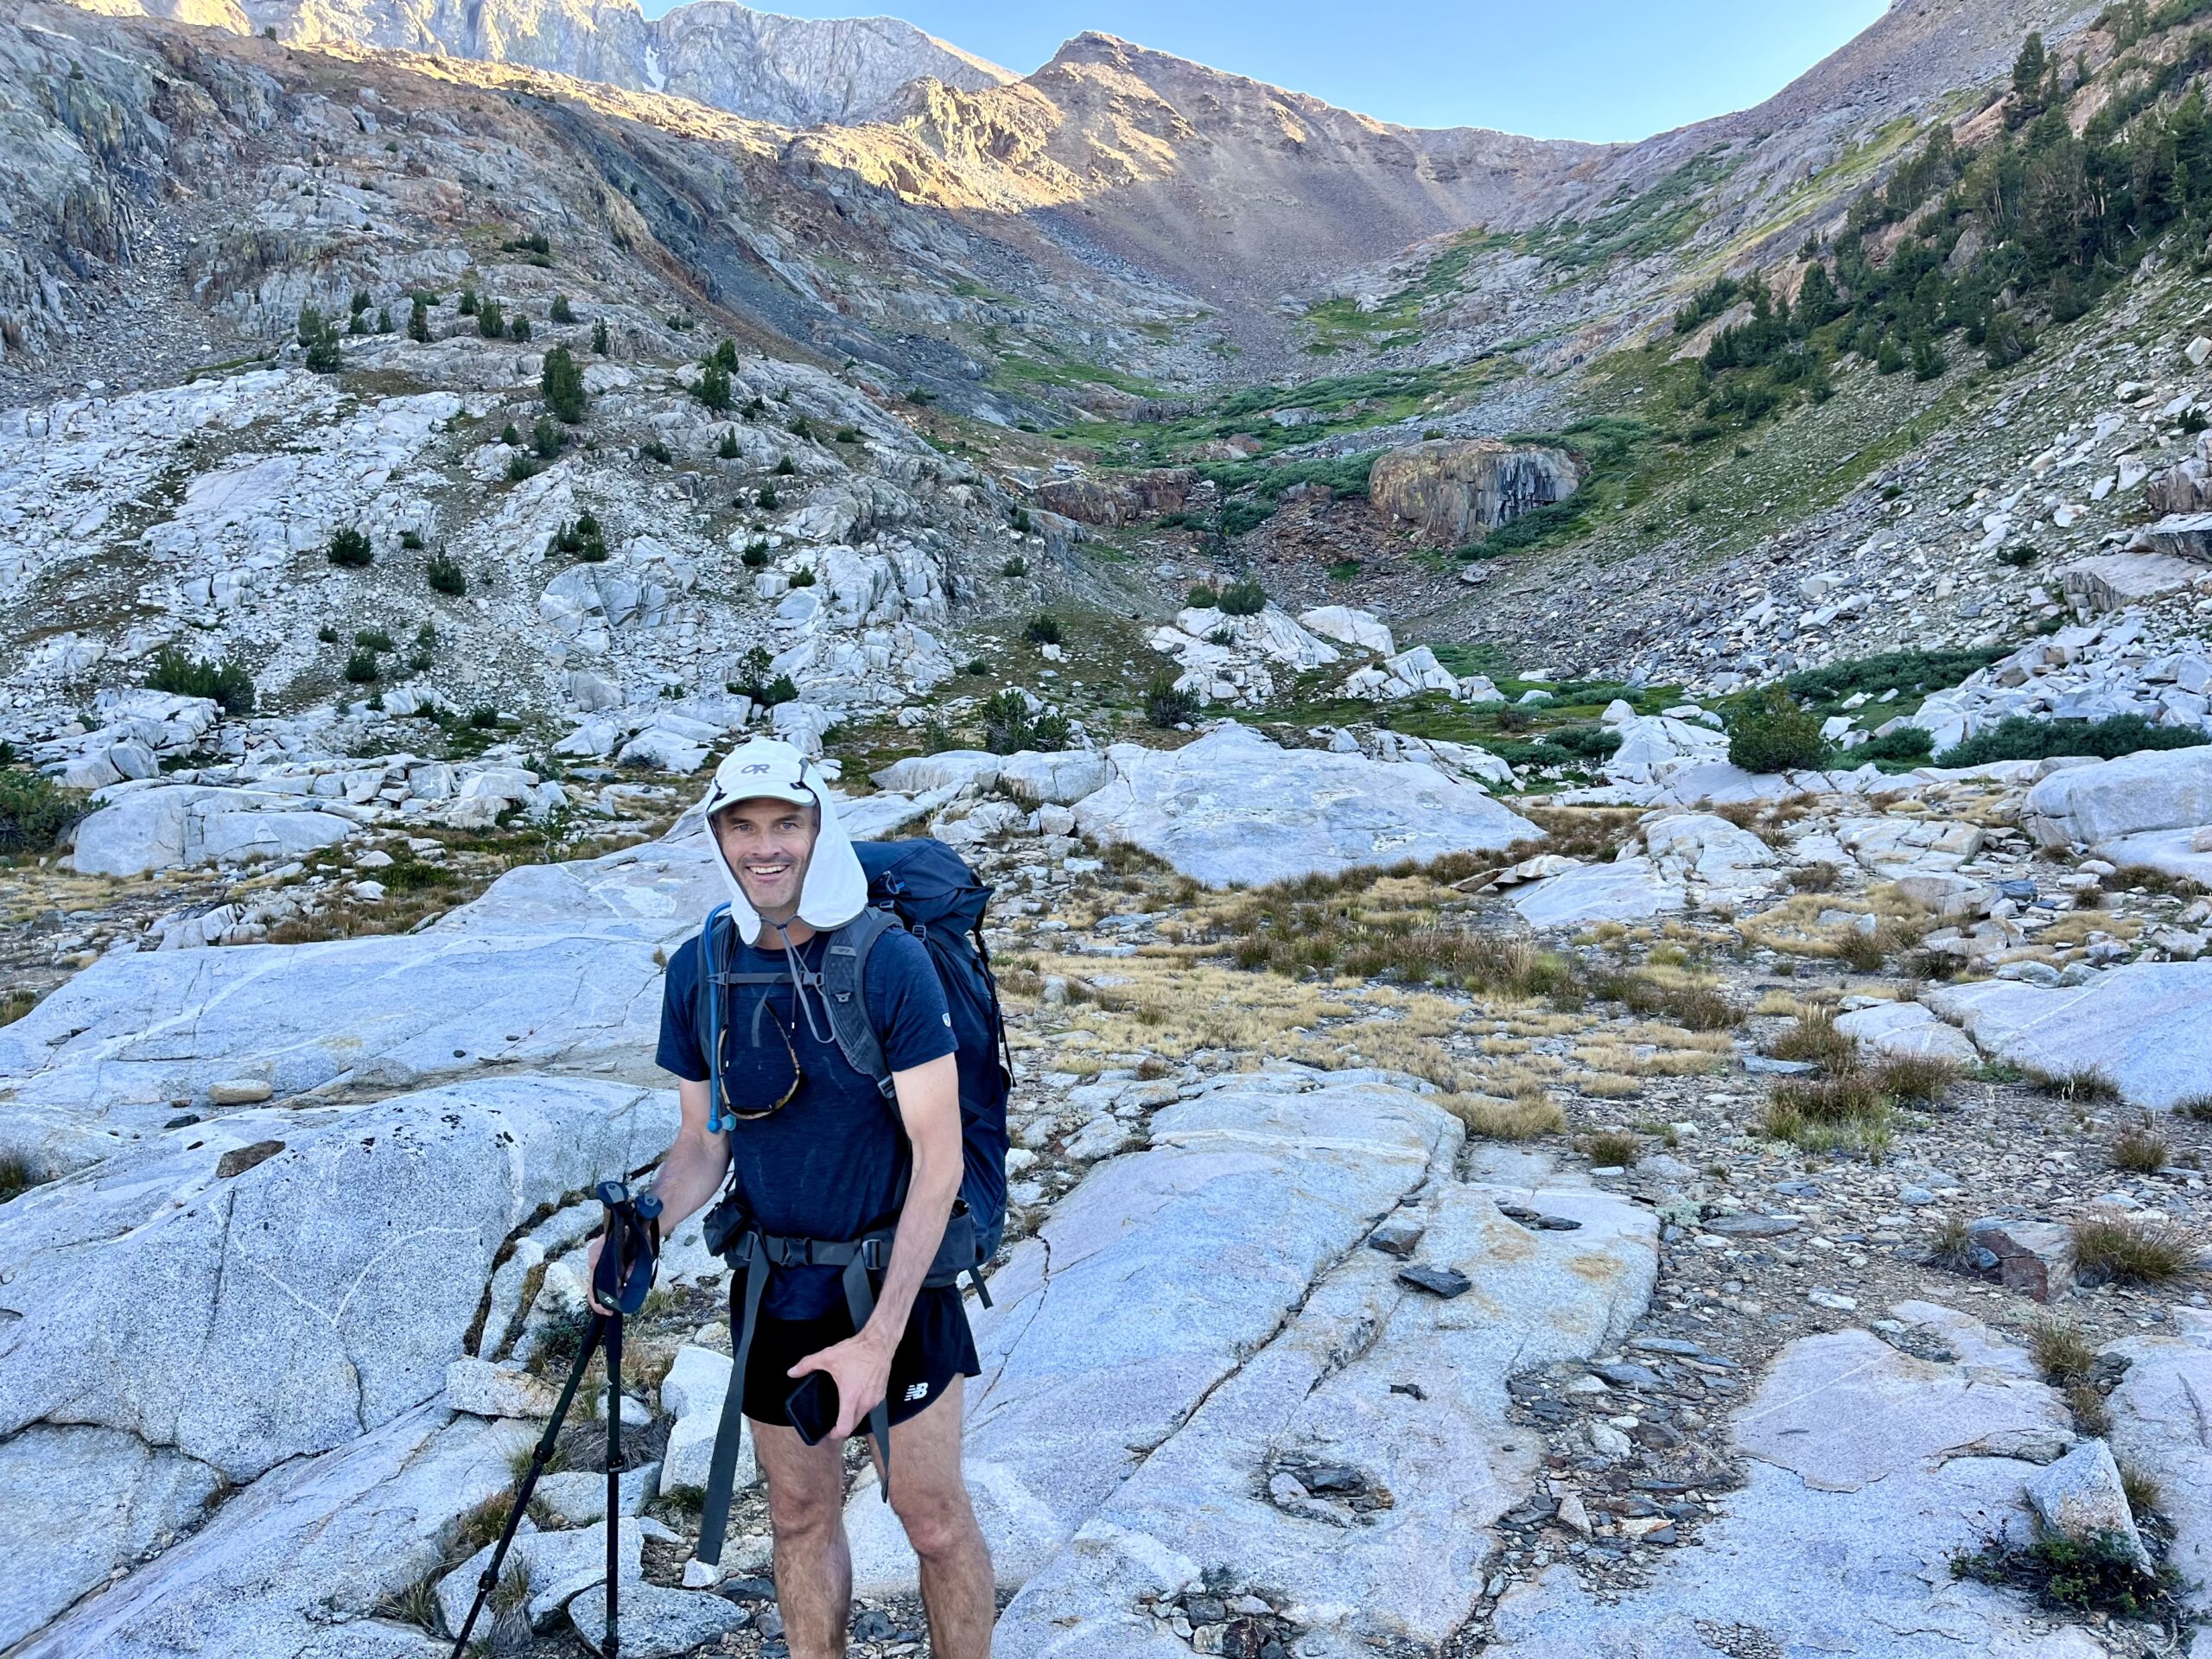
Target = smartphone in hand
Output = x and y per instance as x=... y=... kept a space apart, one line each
x=812 y=1406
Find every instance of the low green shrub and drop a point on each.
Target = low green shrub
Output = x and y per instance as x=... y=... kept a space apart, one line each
x=1772 y=732
x=351 y=548
x=34 y=810
x=1243 y=599
x=228 y=683
x=1909 y=744
x=2018 y=738
x=1167 y=705
x=443 y=572
x=1043 y=629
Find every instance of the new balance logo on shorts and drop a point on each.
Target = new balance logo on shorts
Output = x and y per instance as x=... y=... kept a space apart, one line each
x=918 y=1391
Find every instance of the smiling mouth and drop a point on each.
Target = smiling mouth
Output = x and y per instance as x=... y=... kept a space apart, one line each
x=766 y=871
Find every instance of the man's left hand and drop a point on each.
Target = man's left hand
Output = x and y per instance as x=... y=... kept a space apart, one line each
x=860 y=1367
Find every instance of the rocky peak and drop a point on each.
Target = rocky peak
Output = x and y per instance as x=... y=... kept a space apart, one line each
x=793 y=70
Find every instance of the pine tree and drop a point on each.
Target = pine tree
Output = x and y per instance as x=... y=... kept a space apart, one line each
x=2028 y=69
x=560 y=311
x=713 y=387
x=418 y=321
x=599 y=337
x=562 y=384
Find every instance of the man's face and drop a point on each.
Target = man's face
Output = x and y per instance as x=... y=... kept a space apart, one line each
x=767 y=843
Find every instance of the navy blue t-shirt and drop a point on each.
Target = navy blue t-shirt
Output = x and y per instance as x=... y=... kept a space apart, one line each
x=830 y=1164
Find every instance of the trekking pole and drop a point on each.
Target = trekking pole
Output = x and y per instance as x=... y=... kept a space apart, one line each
x=538 y=1458
x=622 y=1280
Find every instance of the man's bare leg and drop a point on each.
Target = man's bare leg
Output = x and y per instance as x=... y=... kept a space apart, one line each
x=930 y=1497
x=814 y=1565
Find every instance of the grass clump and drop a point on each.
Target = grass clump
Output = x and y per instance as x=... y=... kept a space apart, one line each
x=1813 y=1036
x=1528 y=1115
x=2018 y=738
x=1922 y=1079
x=2197 y=1108
x=2062 y=1353
x=2115 y=1249
x=1773 y=732
x=2140 y=1149
x=2081 y=1083
x=1613 y=1149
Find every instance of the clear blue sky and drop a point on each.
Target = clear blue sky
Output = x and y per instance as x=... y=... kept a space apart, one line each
x=1594 y=69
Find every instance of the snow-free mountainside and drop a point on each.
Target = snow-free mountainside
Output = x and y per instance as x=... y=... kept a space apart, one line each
x=1595 y=761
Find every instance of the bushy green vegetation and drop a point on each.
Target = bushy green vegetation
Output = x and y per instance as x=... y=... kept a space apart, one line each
x=1243 y=599
x=443 y=572
x=2018 y=738
x=491 y=321
x=228 y=683
x=34 y=810
x=562 y=382
x=1904 y=672
x=712 y=388
x=350 y=547
x=320 y=342
x=1909 y=744
x=1773 y=732
x=582 y=539
x=561 y=311
x=1167 y=705
x=1043 y=629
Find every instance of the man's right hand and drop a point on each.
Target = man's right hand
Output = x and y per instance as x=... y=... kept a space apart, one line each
x=591 y=1274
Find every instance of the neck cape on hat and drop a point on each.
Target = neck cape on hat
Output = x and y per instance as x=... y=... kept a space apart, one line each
x=835 y=888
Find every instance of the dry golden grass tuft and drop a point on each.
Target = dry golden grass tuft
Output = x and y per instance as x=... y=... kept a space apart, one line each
x=1524 y=1117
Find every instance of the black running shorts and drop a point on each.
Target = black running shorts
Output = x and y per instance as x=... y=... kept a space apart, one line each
x=936 y=1347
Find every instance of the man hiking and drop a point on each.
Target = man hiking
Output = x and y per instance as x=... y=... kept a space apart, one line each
x=814 y=1151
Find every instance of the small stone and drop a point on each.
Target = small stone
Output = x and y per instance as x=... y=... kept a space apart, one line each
x=1446 y=1282
x=1608 y=1442
x=1749 y=1225
x=1834 y=1302
x=239 y=1092
x=702 y=1575
x=2033 y=1257
x=1398 y=1235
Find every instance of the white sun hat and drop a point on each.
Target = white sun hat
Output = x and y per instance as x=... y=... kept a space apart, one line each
x=836 y=887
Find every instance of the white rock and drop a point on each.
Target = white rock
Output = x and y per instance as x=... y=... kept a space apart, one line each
x=484 y=1389
x=1234 y=808
x=2080 y=1496
x=561 y=1564
x=1361 y=629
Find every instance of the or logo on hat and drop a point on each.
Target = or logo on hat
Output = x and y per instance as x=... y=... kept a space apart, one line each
x=758 y=765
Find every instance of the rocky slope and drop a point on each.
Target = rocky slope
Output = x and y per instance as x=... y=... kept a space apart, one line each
x=793 y=70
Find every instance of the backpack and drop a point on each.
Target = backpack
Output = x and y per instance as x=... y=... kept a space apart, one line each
x=926 y=887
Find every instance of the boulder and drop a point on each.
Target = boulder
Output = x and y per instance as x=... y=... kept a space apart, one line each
x=171 y=826
x=2035 y=1258
x=1699 y=846
x=1907 y=1031
x=2142 y=1026
x=484 y=1389
x=1626 y=890
x=320 y=1542
x=1233 y=808
x=1118 y=497
x=973 y=771
x=1147 y=1285
x=1061 y=778
x=1454 y=491
x=1362 y=630
x=2159 y=788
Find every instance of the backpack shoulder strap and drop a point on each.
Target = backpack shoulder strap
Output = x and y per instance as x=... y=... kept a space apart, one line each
x=708 y=1023
x=844 y=969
